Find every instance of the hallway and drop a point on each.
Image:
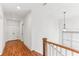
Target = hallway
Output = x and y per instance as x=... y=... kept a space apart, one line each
x=31 y=22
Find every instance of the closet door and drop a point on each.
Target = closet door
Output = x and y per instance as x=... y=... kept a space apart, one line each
x=13 y=30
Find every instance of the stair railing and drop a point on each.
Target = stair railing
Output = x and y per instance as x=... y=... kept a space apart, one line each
x=54 y=49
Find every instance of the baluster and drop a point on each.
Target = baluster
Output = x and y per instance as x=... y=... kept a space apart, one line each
x=56 y=50
x=52 y=50
x=72 y=54
x=49 y=50
x=61 y=50
x=65 y=52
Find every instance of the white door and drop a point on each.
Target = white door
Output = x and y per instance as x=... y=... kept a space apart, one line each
x=13 y=30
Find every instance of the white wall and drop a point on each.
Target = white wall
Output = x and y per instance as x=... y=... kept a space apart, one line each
x=45 y=24
x=1 y=30
x=47 y=21
x=27 y=30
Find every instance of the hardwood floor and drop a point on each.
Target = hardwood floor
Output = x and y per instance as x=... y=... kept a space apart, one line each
x=18 y=48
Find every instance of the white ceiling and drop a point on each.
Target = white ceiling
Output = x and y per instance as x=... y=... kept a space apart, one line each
x=11 y=12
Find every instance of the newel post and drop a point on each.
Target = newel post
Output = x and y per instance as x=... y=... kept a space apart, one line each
x=44 y=46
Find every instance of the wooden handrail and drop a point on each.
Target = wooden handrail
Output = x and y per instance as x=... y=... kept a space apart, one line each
x=64 y=47
x=58 y=45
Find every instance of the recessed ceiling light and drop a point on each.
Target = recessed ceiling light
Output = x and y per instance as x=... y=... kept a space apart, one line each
x=18 y=7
